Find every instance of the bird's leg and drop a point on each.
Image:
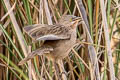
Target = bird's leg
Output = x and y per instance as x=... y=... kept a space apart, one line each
x=57 y=71
x=63 y=73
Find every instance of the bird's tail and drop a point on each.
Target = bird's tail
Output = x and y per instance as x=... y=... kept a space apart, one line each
x=31 y=55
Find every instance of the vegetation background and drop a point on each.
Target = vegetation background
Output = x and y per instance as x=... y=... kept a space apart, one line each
x=98 y=57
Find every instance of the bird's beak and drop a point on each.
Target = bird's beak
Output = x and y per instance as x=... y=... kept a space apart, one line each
x=75 y=21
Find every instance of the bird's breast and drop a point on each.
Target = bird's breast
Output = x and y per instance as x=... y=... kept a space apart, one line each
x=62 y=47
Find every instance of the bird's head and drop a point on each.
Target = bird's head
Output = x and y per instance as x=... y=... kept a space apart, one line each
x=70 y=20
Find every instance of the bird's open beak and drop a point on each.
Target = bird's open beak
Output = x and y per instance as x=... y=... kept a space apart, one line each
x=76 y=19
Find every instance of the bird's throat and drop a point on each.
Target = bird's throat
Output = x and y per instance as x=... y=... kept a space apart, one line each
x=74 y=25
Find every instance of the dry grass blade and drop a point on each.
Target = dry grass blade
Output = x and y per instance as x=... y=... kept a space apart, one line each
x=8 y=12
x=47 y=13
x=93 y=56
x=109 y=53
x=92 y=52
x=82 y=12
x=80 y=59
x=29 y=64
x=17 y=29
x=34 y=6
x=5 y=26
x=64 y=77
x=41 y=12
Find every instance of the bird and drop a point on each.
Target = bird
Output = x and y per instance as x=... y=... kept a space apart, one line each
x=58 y=39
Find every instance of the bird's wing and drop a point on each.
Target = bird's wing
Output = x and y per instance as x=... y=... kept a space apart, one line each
x=47 y=32
x=40 y=51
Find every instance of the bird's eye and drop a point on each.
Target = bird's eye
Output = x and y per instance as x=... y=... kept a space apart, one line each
x=70 y=19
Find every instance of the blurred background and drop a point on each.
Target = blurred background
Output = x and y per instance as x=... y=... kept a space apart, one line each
x=100 y=29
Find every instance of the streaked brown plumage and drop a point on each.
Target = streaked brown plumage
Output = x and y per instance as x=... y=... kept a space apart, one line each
x=59 y=38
